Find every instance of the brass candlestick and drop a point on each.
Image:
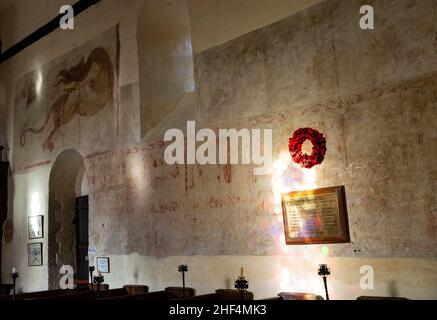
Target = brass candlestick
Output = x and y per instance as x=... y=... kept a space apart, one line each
x=241 y=284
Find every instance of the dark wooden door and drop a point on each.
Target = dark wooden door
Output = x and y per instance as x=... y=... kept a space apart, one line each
x=82 y=240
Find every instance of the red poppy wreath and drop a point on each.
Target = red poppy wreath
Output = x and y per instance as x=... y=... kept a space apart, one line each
x=295 y=147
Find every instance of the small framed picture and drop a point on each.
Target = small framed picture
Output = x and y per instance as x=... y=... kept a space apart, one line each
x=36 y=227
x=103 y=264
x=34 y=254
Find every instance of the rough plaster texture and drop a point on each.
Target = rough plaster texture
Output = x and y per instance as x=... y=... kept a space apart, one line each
x=215 y=22
x=371 y=93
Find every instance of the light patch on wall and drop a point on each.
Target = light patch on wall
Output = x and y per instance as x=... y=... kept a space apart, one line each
x=135 y=167
x=294 y=282
x=38 y=83
x=288 y=176
x=35 y=204
x=285 y=280
x=189 y=85
x=324 y=250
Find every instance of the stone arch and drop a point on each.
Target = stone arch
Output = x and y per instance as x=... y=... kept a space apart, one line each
x=66 y=182
x=165 y=58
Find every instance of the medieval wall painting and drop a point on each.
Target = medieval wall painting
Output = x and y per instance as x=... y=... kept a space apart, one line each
x=69 y=103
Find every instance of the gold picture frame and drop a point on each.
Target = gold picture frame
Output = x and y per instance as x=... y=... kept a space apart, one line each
x=315 y=216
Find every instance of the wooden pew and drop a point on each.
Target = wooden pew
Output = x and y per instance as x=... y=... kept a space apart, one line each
x=133 y=289
x=103 y=287
x=5 y=289
x=225 y=294
x=380 y=298
x=42 y=294
x=88 y=295
x=80 y=293
x=127 y=290
x=170 y=293
x=295 y=296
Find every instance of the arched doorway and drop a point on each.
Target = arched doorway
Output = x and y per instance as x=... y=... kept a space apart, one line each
x=68 y=218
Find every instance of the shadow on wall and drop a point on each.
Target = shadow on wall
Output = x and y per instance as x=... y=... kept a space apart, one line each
x=393 y=290
x=165 y=59
x=7 y=186
x=3 y=112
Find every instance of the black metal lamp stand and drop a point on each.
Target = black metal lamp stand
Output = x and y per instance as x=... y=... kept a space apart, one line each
x=14 y=276
x=182 y=269
x=324 y=271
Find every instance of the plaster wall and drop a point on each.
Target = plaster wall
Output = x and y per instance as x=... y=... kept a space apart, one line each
x=3 y=118
x=372 y=93
x=269 y=275
x=215 y=22
x=28 y=197
x=164 y=42
x=32 y=182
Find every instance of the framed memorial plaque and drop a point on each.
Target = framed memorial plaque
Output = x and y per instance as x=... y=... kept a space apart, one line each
x=34 y=254
x=315 y=216
x=103 y=264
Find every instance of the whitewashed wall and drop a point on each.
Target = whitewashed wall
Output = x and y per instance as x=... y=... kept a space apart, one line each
x=140 y=217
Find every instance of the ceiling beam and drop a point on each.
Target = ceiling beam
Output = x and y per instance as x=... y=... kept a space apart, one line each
x=41 y=32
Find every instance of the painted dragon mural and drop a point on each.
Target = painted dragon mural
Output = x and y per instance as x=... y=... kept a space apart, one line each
x=69 y=102
x=86 y=88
